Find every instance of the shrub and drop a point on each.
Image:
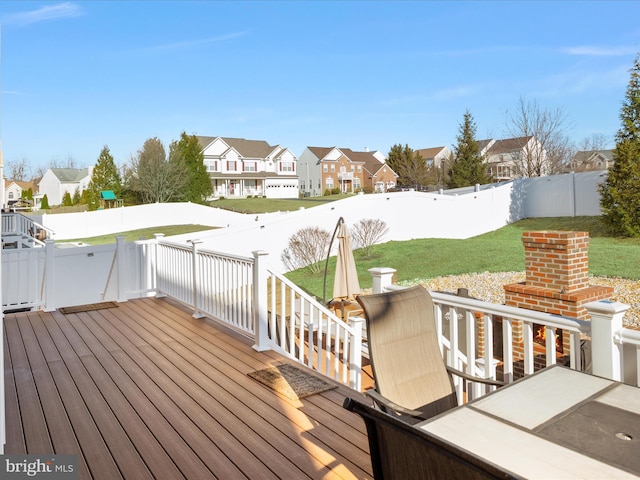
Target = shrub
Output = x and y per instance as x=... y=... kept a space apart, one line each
x=307 y=248
x=367 y=232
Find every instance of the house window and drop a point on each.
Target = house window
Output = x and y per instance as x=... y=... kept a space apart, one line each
x=250 y=166
x=10 y=195
x=333 y=168
x=353 y=168
x=329 y=183
x=359 y=168
x=325 y=168
x=302 y=184
x=286 y=166
x=356 y=182
x=231 y=165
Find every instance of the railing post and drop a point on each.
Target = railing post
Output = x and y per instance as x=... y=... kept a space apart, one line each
x=195 y=272
x=122 y=262
x=260 y=299
x=355 y=360
x=156 y=254
x=49 y=276
x=606 y=323
x=382 y=277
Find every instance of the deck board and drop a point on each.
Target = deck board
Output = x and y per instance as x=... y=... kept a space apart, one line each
x=144 y=390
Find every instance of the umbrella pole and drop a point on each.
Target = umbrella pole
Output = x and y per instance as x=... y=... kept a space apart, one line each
x=326 y=263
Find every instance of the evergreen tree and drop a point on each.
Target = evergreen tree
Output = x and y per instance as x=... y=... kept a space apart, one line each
x=44 y=205
x=187 y=152
x=66 y=199
x=105 y=176
x=411 y=168
x=620 y=193
x=468 y=166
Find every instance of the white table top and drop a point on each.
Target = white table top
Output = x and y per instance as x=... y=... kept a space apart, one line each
x=508 y=426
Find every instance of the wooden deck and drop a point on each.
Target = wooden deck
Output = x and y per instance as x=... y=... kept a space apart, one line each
x=143 y=390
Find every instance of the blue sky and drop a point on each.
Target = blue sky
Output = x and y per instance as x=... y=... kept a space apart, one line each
x=78 y=75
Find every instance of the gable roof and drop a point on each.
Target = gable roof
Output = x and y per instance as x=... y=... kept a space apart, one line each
x=246 y=148
x=508 y=145
x=320 y=152
x=69 y=175
x=585 y=156
x=429 y=153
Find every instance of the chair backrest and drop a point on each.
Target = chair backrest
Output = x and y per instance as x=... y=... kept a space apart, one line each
x=407 y=365
x=402 y=451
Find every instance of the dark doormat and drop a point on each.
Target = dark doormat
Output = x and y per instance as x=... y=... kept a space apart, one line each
x=88 y=308
x=291 y=381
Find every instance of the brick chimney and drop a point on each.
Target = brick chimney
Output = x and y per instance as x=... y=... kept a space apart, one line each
x=557 y=275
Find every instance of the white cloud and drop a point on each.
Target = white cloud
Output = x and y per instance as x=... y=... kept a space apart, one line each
x=49 y=12
x=196 y=43
x=592 y=51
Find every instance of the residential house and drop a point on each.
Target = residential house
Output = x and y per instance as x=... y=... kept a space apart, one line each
x=240 y=168
x=58 y=181
x=588 y=160
x=377 y=176
x=506 y=158
x=328 y=168
x=435 y=156
x=13 y=190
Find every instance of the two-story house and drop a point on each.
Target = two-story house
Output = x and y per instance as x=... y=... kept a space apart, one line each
x=514 y=157
x=239 y=168
x=13 y=192
x=435 y=156
x=328 y=168
x=58 y=181
x=588 y=160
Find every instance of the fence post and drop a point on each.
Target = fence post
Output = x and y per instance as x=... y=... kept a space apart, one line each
x=195 y=273
x=122 y=262
x=606 y=323
x=158 y=237
x=49 y=276
x=260 y=299
x=382 y=277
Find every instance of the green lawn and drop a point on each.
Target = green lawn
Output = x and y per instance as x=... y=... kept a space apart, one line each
x=498 y=251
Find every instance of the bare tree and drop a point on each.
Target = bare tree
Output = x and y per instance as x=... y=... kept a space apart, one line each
x=19 y=170
x=596 y=141
x=551 y=150
x=367 y=232
x=307 y=248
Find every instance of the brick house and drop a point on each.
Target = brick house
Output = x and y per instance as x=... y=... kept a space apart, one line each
x=327 y=168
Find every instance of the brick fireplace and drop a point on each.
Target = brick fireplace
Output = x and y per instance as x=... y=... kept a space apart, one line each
x=557 y=280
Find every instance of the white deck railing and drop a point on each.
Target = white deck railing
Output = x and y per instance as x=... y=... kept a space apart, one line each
x=301 y=328
x=243 y=293
x=614 y=350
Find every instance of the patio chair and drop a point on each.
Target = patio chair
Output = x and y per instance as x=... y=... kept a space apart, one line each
x=411 y=378
x=402 y=451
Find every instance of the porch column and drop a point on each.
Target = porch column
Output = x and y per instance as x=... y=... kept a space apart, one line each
x=195 y=274
x=159 y=293
x=260 y=299
x=122 y=262
x=606 y=323
x=49 y=276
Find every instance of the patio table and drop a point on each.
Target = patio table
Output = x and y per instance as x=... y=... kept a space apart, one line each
x=556 y=423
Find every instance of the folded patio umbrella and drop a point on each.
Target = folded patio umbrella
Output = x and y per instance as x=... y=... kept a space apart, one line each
x=345 y=283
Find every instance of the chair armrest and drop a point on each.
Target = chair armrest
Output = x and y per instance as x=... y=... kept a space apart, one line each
x=387 y=404
x=471 y=378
